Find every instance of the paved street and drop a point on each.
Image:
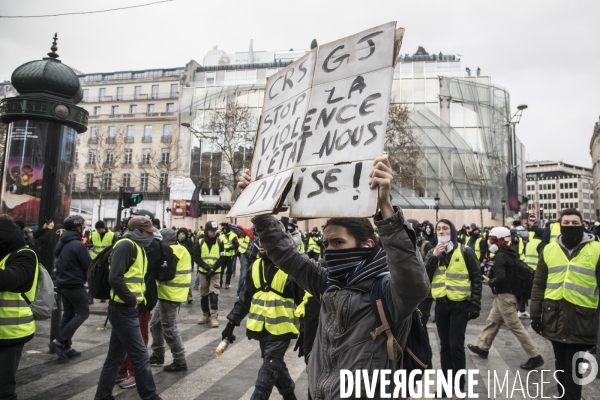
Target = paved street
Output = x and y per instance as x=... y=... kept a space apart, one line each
x=232 y=376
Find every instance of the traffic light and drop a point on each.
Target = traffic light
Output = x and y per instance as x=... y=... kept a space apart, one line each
x=131 y=199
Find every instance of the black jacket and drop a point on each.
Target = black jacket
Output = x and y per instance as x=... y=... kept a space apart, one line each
x=242 y=305
x=19 y=269
x=503 y=270
x=73 y=261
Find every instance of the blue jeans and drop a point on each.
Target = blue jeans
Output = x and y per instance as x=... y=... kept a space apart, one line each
x=243 y=271
x=75 y=311
x=126 y=339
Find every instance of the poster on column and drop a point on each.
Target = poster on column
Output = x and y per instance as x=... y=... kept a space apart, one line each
x=322 y=125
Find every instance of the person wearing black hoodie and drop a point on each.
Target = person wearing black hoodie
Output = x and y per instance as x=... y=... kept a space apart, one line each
x=17 y=275
x=73 y=261
x=456 y=286
x=504 y=308
x=184 y=240
x=429 y=232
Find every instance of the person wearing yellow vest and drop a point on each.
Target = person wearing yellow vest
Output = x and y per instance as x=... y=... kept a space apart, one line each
x=163 y=324
x=314 y=244
x=230 y=248
x=456 y=287
x=551 y=232
x=478 y=244
x=101 y=239
x=564 y=298
x=73 y=261
x=532 y=251
x=18 y=274
x=269 y=300
x=210 y=261
x=128 y=264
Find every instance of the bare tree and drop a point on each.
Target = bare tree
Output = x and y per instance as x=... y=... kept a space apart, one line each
x=477 y=170
x=3 y=136
x=231 y=132
x=105 y=154
x=160 y=164
x=403 y=149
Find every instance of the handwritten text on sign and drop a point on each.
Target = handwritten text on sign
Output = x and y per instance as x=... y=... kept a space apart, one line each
x=328 y=107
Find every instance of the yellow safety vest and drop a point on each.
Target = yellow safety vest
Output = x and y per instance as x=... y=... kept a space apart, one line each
x=531 y=254
x=101 y=243
x=210 y=257
x=554 y=231
x=452 y=280
x=134 y=277
x=478 y=248
x=227 y=240
x=531 y=235
x=16 y=317
x=177 y=289
x=573 y=280
x=491 y=255
x=521 y=250
x=244 y=245
x=313 y=246
x=269 y=309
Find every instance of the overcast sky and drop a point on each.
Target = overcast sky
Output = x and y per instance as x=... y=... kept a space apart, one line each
x=545 y=53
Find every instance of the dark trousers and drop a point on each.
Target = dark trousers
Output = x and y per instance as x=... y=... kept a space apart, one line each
x=563 y=355
x=126 y=339
x=75 y=311
x=451 y=322
x=9 y=360
x=127 y=365
x=273 y=371
x=227 y=270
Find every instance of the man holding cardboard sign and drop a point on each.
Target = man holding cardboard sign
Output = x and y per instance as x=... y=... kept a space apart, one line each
x=352 y=263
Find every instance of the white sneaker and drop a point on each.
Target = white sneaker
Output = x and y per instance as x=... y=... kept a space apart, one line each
x=523 y=315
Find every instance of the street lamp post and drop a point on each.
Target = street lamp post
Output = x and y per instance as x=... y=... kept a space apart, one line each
x=503 y=201
x=437 y=207
x=541 y=214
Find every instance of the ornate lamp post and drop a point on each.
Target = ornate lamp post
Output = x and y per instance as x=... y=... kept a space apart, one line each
x=437 y=207
x=503 y=201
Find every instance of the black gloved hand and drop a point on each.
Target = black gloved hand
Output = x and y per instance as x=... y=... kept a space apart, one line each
x=536 y=325
x=210 y=273
x=228 y=332
x=473 y=313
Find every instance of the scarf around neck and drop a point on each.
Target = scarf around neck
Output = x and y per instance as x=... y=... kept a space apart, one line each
x=348 y=267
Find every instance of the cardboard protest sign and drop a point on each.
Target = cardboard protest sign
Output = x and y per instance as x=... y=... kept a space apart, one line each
x=323 y=123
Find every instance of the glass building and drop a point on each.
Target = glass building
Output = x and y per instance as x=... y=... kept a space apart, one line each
x=462 y=125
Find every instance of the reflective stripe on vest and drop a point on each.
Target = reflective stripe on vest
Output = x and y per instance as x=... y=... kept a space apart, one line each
x=573 y=280
x=531 y=254
x=134 y=277
x=313 y=246
x=227 y=240
x=210 y=257
x=554 y=231
x=244 y=244
x=269 y=309
x=177 y=289
x=452 y=281
x=16 y=317
x=101 y=243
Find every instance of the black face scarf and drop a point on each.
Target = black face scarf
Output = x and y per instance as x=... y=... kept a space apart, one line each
x=349 y=266
x=571 y=236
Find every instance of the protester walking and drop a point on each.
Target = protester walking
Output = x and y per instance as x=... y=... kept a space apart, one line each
x=128 y=265
x=504 y=308
x=163 y=324
x=230 y=247
x=209 y=263
x=73 y=261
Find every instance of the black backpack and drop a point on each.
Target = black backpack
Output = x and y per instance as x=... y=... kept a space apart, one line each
x=97 y=277
x=417 y=350
x=168 y=265
x=522 y=279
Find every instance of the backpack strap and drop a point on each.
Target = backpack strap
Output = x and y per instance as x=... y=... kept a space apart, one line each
x=382 y=316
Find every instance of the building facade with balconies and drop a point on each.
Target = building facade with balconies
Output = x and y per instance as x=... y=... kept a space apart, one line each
x=132 y=141
x=554 y=185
